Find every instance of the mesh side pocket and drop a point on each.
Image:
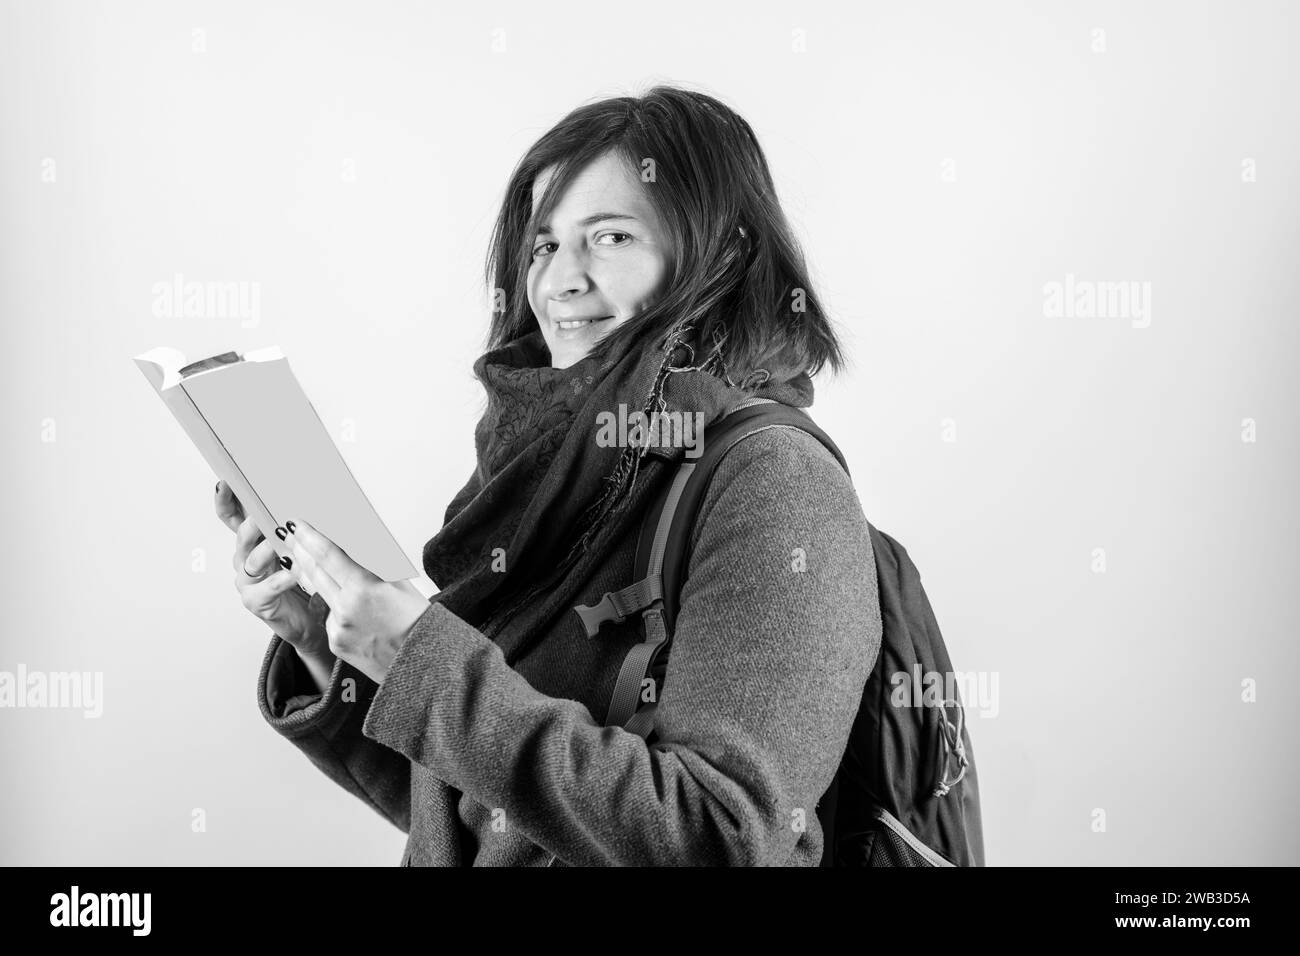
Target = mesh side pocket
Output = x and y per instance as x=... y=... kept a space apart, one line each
x=889 y=849
x=882 y=844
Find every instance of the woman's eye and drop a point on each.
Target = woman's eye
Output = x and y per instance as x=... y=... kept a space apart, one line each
x=623 y=236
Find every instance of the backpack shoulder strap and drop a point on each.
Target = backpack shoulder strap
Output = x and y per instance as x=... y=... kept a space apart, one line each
x=677 y=527
x=661 y=562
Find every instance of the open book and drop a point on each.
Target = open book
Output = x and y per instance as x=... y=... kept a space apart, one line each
x=254 y=425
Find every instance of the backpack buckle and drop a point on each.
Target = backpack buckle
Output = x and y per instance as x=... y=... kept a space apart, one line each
x=617 y=605
x=594 y=615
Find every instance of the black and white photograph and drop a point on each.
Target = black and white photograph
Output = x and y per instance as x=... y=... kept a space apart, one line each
x=846 y=435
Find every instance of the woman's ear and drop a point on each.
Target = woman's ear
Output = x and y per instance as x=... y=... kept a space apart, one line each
x=744 y=238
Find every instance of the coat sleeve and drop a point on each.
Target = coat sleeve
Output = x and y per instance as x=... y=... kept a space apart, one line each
x=327 y=728
x=777 y=631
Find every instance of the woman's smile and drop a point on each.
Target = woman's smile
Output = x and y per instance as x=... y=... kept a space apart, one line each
x=571 y=329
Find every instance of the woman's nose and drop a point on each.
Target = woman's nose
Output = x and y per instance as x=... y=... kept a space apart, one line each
x=566 y=274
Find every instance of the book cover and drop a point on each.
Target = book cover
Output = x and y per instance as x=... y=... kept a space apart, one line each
x=254 y=425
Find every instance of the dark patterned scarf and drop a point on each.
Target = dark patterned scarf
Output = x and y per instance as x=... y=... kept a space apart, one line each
x=547 y=503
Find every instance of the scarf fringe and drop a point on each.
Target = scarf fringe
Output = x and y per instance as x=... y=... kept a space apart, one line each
x=620 y=482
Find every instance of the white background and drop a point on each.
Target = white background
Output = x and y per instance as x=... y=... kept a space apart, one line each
x=1119 y=691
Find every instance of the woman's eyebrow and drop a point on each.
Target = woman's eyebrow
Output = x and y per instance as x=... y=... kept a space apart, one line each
x=591 y=220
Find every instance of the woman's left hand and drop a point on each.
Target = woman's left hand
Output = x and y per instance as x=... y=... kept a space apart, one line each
x=368 y=617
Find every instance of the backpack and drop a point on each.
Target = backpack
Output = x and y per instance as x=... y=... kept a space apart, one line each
x=905 y=793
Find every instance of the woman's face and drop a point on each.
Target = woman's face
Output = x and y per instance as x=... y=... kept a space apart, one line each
x=602 y=257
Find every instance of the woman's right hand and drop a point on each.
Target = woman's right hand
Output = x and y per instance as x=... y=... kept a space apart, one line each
x=270 y=592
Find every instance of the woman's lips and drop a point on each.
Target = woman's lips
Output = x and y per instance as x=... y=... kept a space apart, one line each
x=574 y=325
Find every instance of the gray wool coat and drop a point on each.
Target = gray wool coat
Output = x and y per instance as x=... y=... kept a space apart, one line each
x=482 y=764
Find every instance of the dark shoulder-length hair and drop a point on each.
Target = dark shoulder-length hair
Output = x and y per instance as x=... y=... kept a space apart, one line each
x=738 y=275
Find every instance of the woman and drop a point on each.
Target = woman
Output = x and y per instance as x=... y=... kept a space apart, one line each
x=640 y=261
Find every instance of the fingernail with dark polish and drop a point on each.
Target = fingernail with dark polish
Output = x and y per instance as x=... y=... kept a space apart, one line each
x=279 y=533
x=218 y=487
x=289 y=525
x=287 y=562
